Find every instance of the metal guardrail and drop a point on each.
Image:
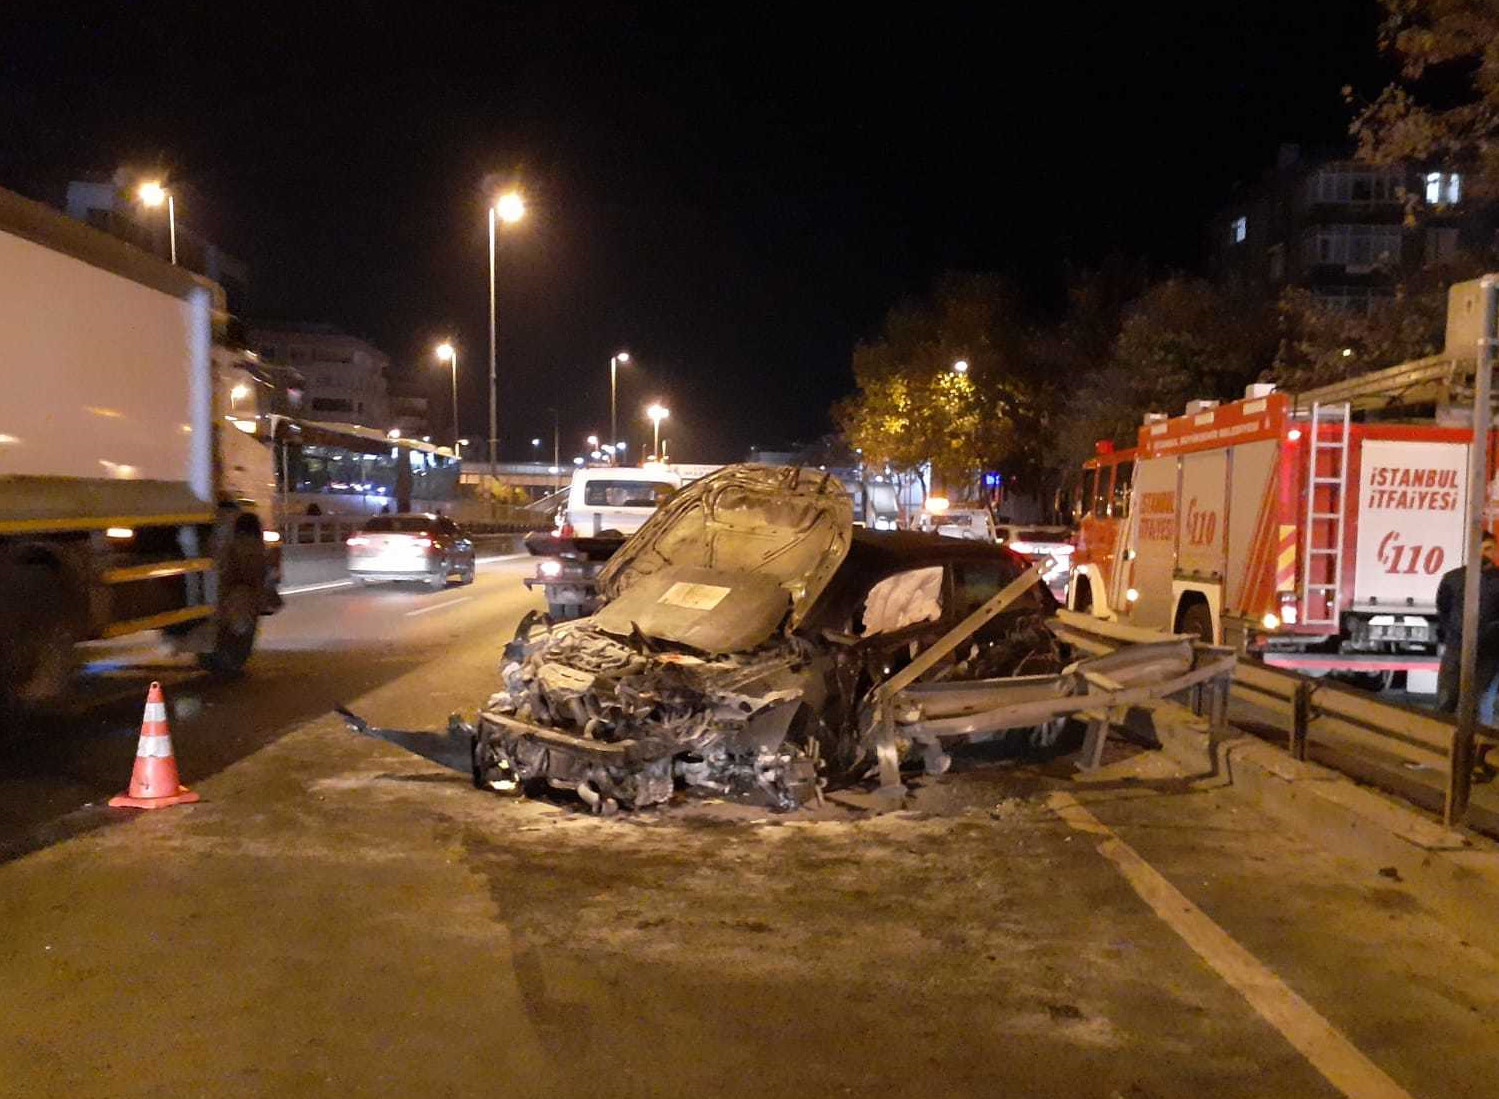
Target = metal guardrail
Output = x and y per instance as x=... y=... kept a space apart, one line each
x=1309 y=706
x=309 y=530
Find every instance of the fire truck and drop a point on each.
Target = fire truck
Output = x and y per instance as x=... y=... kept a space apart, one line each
x=1309 y=529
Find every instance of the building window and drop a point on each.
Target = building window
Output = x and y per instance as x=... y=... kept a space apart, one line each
x=1353 y=246
x=1238 y=229
x=1444 y=188
x=1362 y=186
x=1441 y=245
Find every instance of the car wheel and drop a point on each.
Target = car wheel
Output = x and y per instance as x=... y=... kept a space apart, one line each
x=439 y=579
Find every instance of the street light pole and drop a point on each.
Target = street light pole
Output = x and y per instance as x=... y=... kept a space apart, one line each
x=509 y=208
x=493 y=413
x=448 y=353
x=614 y=361
x=152 y=193
x=657 y=413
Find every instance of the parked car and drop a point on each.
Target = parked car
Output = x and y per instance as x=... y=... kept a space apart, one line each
x=411 y=546
x=1037 y=542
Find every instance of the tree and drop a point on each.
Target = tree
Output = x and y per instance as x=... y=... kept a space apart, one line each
x=913 y=407
x=1181 y=339
x=1444 y=108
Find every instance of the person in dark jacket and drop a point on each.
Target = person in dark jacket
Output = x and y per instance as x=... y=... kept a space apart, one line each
x=1450 y=631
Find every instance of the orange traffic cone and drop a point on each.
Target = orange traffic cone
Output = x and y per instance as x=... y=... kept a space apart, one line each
x=154 y=783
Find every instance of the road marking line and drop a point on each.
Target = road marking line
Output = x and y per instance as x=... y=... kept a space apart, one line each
x=304 y=588
x=438 y=606
x=1333 y=1055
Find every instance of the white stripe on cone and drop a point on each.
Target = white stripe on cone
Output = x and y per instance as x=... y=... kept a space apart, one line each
x=155 y=711
x=157 y=747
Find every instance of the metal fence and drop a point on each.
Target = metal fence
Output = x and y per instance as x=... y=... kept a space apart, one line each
x=1306 y=707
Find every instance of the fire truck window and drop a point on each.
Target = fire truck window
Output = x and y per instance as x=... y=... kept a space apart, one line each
x=1085 y=498
x=1122 y=478
x=1101 y=499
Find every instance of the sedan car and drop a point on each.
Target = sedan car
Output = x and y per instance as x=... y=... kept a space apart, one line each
x=411 y=546
x=744 y=632
x=1037 y=543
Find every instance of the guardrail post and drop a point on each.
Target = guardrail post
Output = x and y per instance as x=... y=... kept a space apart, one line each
x=1301 y=716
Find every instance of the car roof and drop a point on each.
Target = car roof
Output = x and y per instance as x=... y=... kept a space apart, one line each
x=626 y=473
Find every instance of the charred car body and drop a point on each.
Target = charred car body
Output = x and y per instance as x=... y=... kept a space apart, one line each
x=744 y=633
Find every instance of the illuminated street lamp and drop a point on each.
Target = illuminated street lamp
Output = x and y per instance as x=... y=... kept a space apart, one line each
x=153 y=194
x=657 y=413
x=960 y=367
x=447 y=353
x=614 y=361
x=237 y=394
x=593 y=442
x=509 y=208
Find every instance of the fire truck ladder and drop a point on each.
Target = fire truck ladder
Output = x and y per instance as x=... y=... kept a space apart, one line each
x=1322 y=595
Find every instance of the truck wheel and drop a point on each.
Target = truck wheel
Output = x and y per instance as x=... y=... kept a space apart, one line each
x=36 y=653
x=237 y=616
x=1197 y=619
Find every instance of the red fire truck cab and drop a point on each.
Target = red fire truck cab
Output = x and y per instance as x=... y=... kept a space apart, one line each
x=1309 y=529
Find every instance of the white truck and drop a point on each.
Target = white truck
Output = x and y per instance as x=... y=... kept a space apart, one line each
x=135 y=486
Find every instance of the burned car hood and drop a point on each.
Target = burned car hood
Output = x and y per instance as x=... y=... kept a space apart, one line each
x=783 y=525
x=709 y=610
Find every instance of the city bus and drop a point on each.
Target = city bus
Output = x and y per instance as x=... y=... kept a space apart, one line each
x=346 y=470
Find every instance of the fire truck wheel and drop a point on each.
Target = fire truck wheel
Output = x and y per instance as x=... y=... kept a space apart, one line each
x=1198 y=620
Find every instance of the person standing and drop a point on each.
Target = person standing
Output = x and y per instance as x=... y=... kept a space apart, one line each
x=1450 y=632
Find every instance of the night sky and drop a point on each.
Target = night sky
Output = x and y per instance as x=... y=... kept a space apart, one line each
x=735 y=193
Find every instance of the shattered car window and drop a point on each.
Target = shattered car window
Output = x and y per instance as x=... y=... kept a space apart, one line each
x=903 y=600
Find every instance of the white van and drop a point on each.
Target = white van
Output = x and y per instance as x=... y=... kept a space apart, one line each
x=617 y=498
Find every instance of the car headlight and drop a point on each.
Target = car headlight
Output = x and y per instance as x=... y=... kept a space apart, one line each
x=550 y=569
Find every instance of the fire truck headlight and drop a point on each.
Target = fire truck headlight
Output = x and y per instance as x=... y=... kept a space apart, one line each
x=1271 y=621
x=1129 y=555
x=1131 y=596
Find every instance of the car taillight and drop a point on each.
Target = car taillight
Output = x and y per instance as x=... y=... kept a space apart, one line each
x=358 y=540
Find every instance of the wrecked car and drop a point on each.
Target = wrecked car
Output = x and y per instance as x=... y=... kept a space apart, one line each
x=744 y=633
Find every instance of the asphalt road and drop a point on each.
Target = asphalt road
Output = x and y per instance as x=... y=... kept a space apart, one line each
x=338 y=917
x=330 y=644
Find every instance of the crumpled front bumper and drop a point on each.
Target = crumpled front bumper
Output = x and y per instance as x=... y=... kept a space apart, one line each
x=632 y=772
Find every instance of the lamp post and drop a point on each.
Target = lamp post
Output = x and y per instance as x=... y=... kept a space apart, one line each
x=509 y=208
x=614 y=361
x=447 y=353
x=153 y=194
x=657 y=413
